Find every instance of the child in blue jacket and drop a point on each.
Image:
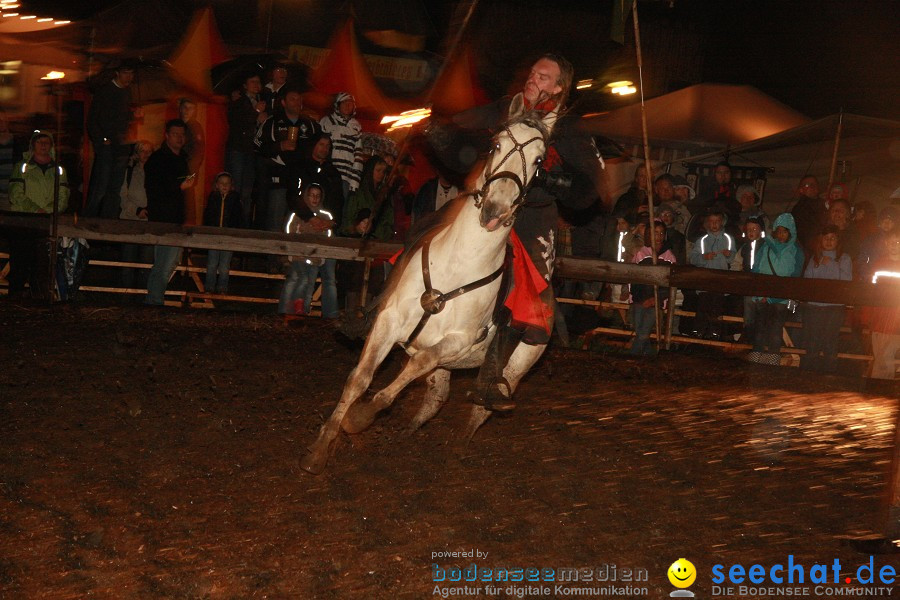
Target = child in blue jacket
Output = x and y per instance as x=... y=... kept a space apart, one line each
x=781 y=256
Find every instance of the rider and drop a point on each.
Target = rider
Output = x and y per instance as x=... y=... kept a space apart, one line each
x=568 y=177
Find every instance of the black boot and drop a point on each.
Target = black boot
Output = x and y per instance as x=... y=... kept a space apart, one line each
x=492 y=389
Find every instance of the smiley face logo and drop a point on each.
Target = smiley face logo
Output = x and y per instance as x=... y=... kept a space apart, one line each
x=682 y=573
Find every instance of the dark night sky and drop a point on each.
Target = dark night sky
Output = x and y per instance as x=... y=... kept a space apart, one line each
x=815 y=55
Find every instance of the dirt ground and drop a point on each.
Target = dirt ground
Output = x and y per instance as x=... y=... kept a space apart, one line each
x=153 y=453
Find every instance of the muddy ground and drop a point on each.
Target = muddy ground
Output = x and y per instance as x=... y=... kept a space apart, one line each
x=153 y=453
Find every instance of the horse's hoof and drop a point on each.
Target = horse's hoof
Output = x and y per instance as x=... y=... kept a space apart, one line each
x=314 y=462
x=359 y=418
x=414 y=426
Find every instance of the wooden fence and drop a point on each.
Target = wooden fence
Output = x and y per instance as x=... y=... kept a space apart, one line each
x=886 y=293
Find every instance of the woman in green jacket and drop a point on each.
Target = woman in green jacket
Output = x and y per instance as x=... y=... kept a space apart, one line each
x=374 y=175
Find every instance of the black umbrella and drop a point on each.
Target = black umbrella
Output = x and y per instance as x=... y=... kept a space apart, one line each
x=153 y=80
x=230 y=75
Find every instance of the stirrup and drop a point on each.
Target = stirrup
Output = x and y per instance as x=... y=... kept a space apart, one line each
x=494 y=400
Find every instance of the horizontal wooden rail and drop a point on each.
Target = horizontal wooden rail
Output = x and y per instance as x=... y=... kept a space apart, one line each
x=885 y=293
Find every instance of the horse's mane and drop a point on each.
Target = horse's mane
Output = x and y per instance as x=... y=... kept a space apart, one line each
x=532 y=118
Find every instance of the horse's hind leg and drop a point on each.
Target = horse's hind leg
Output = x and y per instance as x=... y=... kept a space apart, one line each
x=378 y=344
x=435 y=397
x=422 y=362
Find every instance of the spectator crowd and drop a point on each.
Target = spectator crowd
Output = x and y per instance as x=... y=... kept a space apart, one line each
x=287 y=170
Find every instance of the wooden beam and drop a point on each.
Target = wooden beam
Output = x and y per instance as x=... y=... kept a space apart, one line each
x=209 y=238
x=591 y=269
x=885 y=293
x=851 y=293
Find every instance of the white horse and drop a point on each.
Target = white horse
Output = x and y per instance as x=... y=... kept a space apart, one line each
x=451 y=330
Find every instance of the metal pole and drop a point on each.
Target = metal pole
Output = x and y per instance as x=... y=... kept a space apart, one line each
x=269 y=24
x=834 y=154
x=670 y=316
x=647 y=168
x=365 y=285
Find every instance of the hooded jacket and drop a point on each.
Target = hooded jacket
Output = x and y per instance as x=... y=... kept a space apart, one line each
x=784 y=259
x=31 y=184
x=345 y=141
x=713 y=242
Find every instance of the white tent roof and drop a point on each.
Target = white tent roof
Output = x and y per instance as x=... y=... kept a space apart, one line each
x=707 y=114
x=868 y=158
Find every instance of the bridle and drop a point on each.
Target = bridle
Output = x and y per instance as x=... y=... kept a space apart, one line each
x=522 y=182
x=433 y=300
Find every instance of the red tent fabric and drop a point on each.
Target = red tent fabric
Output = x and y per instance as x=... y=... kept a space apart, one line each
x=457 y=89
x=200 y=49
x=345 y=70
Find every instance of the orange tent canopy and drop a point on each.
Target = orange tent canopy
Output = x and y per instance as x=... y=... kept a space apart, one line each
x=345 y=70
x=200 y=49
x=456 y=88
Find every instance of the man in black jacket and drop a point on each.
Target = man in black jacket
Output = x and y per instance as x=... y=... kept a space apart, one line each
x=166 y=177
x=285 y=141
x=107 y=126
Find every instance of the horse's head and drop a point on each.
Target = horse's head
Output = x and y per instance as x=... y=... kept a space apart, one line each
x=513 y=160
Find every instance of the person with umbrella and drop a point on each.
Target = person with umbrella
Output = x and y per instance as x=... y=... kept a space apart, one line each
x=109 y=117
x=271 y=90
x=245 y=114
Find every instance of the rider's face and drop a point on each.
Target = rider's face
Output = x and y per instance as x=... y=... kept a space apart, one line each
x=542 y=81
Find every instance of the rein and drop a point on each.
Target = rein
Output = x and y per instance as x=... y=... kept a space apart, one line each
x=433 y=301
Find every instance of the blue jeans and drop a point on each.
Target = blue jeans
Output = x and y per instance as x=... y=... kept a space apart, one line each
x=107 y=177
x=165 y=259
x=218 y=262
x=644 y=321
x=242 y=166
x=300 y=283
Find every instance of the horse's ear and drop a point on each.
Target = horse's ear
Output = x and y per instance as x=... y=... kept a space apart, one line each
x=517 y=106
x=550 y=118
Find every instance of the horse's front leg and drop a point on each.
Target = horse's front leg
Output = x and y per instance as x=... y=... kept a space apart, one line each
x=422 y=362
x=378 y=344
x=435 y=397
